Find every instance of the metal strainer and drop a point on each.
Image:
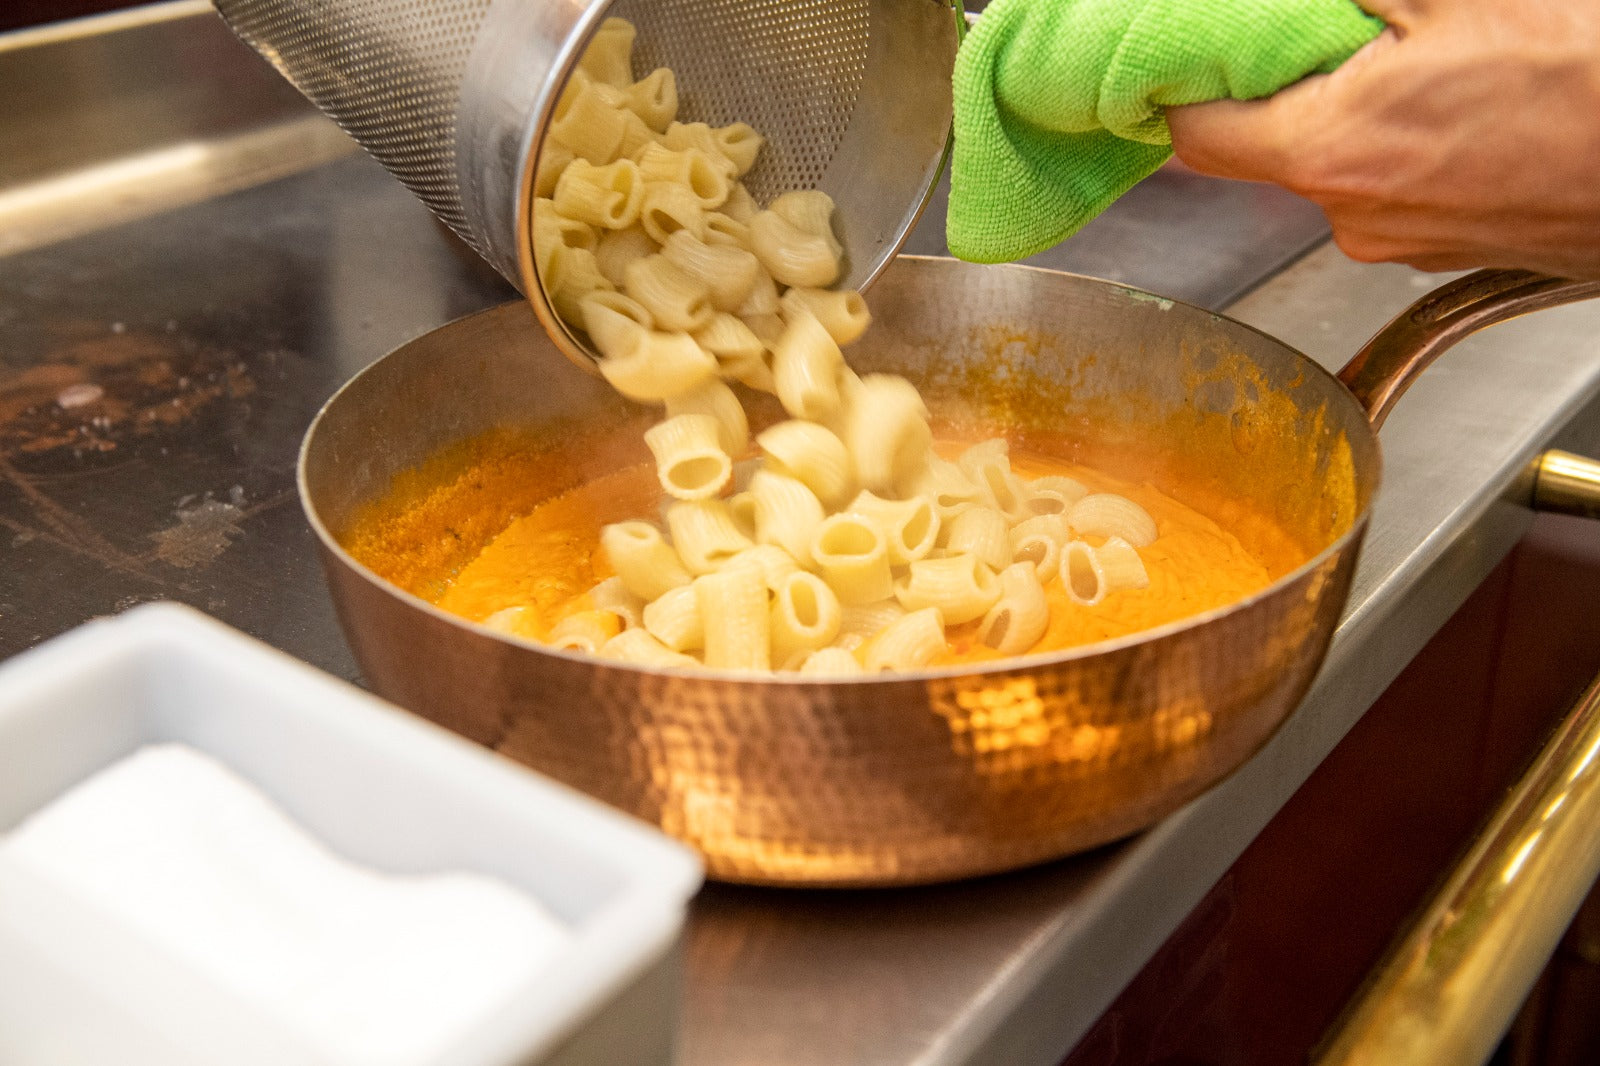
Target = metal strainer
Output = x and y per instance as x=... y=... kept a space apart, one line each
x=453 y=96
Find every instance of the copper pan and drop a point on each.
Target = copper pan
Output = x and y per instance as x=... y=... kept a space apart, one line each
x=941 y=774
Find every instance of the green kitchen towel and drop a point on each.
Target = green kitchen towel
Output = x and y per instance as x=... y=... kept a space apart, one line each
x=1059 y=103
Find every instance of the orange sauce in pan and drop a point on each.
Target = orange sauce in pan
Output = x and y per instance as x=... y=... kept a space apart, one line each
x=548 y=557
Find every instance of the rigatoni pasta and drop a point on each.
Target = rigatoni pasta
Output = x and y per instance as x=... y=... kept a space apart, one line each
x=849 y=544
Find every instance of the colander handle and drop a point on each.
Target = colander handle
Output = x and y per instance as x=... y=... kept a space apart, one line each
x=1386 y=366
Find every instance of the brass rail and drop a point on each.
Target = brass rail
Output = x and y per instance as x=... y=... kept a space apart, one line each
x=1448 y=992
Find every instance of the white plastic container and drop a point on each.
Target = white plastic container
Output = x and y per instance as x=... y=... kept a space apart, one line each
x=379 y=786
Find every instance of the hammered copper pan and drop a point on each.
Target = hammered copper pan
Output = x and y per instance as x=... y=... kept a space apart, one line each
x=938 y=774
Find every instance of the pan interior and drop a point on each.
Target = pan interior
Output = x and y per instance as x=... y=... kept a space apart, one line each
x=428 y=455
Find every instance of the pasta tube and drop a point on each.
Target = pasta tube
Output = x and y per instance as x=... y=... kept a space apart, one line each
x=617 y=248
x=514 y=621
x=805 y=368
x=553 y=162
x=907 y=644
x=775 y=564
x=673 y=618
x=830 y=662
x=740 y=145
x=739 y=352
x=702 y=174
x=810 y=211
x=608 y=57
x=850 y=553
x=886 y=430
x=571 y=276
x=867 y=620
x=728 y=273
x=741 y=206
x=1037 y=541
x=843 y=314
x=1017 y=621
x=763 y=300
x=585 y=123
x=608 y=196
x=654 y=98
x=791 y=255
x=641 y=557
x=814 y=455
x=668 y=207
x=805 y=616
x=658 y=366
x=674 y=297
x=988 y=466
x=943 y=484
x=983 y=533
x=639 y=647
x=1054 y=494
x=717 y=400
x=787 y=513
x=959 y=586
x=584 y=631
x=910 y=528
x=612 y=595
x=690 y=462
x=705 y=534
x=1105 y=514
x=1081 y=574
x=733 y=610
x=724 y=231
x=1120 y=565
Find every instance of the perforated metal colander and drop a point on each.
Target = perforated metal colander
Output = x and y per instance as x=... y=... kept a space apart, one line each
x=453 y=96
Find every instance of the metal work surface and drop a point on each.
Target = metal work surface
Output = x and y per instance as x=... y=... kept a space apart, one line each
x=156 y=377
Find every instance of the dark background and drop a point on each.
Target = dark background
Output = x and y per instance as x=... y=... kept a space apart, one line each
x=20 y=13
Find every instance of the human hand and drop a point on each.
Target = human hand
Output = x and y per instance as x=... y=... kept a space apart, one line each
x=1468 y=134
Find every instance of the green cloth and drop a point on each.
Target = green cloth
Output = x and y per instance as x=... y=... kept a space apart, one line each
x=1058 y=103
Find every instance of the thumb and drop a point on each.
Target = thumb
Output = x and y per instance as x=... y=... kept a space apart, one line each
x=1261 y=140
x=1253 y=140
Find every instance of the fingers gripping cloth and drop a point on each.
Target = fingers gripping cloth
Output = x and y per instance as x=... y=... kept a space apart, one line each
x=1059 y=104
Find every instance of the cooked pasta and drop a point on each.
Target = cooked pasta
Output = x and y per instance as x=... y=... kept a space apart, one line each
x=638 y=646
x=805 y=367
x=850 y=554
x=610 y=196
x=849 y=544
x=908 y=643
x=690 y=461
x=886 y=430
x=910 y=528
x=1081 y=574
x=843 y=314
x=729 y=273
x=959 y=586
x=585 y=631
x=646 y=563
x=1037 y=541
x=677 y=299
x=612 y=595
x=705 y=534
x=673 y=618
x=787 y=513
x=814 y=455
x=608 y=59
x=983 y=533
x=667 y=207
x=733 y=610
x=1120 y=565
x=718 y=401
x=791 y=255
x=1105 y=514
x=657 y=366
x=805 y=616
x=1019 y=618
x=830 y=662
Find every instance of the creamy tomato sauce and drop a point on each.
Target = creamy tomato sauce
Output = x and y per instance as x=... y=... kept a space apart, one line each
x=547 y=559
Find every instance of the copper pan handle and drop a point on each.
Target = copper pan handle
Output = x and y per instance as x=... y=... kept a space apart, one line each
x=1385 y=367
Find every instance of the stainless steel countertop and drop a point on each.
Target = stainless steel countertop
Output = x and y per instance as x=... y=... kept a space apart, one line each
x=215 y=328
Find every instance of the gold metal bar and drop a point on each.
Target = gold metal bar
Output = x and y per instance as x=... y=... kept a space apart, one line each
x=1448 y=992
x=1567 y=484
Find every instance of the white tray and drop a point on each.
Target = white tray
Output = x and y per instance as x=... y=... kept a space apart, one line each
x=383 y=788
